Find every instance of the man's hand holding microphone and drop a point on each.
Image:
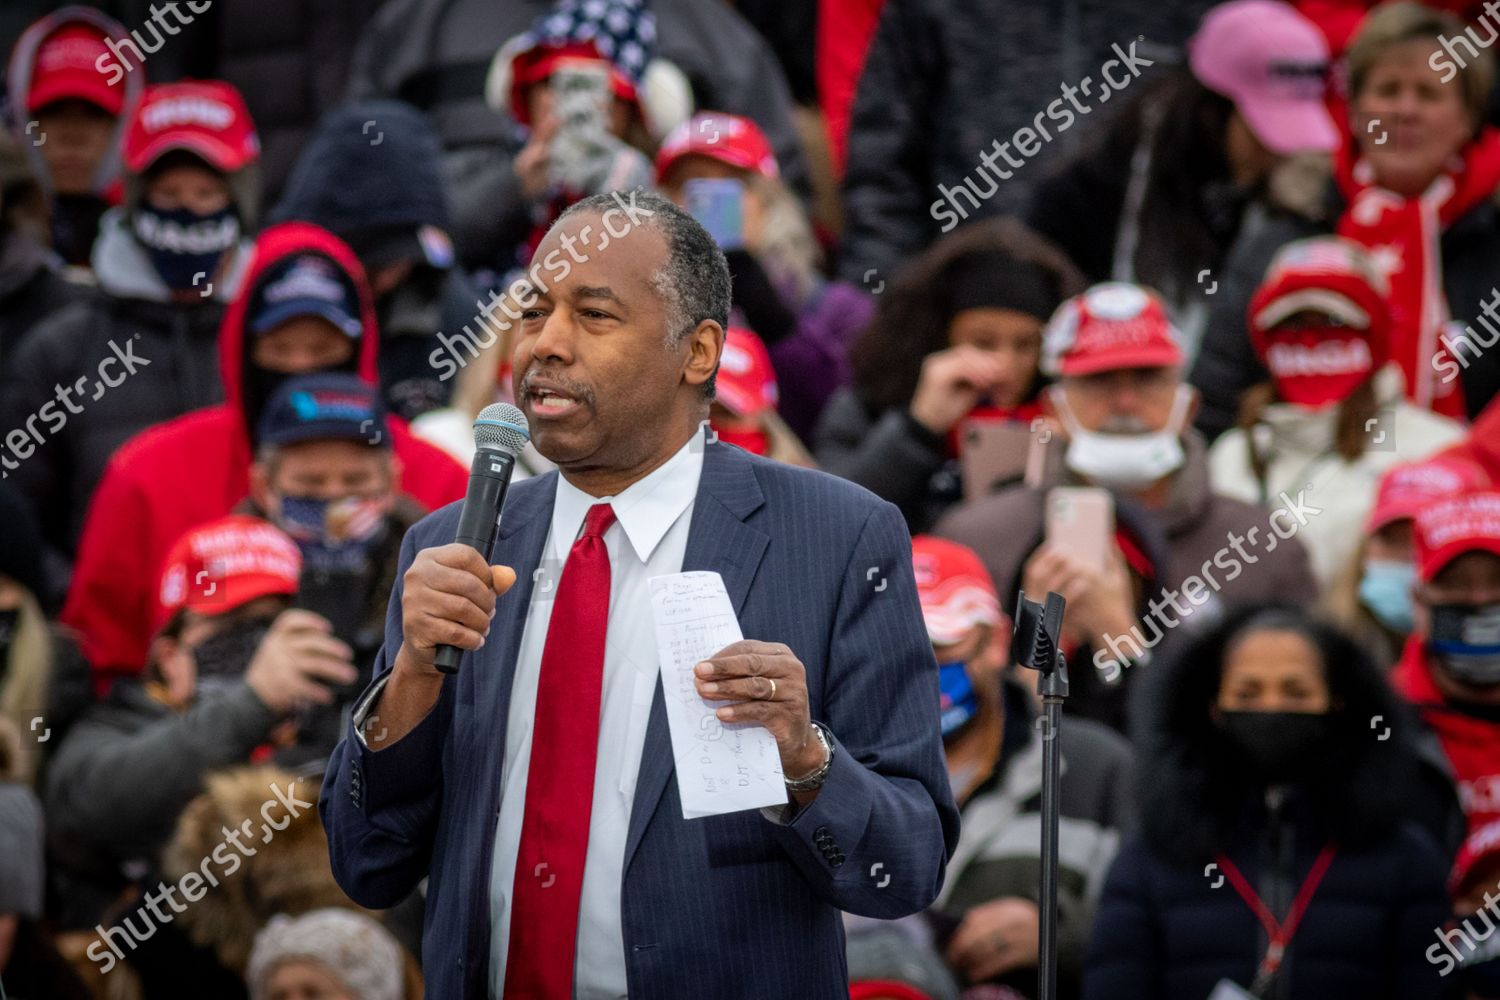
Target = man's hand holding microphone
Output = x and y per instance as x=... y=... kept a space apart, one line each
x=448 y=592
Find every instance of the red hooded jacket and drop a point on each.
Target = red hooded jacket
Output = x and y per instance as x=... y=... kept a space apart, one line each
x=175 y=476
x=1472 y=745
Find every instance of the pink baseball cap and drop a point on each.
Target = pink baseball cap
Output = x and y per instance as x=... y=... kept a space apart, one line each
x=1405 y=489
x=1272 y=62
x=1109 y=327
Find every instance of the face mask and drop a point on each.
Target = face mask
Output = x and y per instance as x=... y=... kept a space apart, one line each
x=1465 y=641
x=959 y=701
x=1126 y=462
x=1315 y=368
x=223 y=658
x=183 y=244
x=1385 y=588
x=334 y=534
x=1277 y=745
x=755 y=442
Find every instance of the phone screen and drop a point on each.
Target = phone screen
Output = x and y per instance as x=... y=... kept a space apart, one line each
x=718 y=203
x=580 y=95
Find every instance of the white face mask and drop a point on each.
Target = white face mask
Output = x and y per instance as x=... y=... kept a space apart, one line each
x=1125 y=462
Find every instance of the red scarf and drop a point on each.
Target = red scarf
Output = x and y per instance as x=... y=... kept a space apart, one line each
x=1471 y=745
x=1404 y=234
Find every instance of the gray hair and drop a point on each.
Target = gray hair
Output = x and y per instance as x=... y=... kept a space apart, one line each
x=694 y=281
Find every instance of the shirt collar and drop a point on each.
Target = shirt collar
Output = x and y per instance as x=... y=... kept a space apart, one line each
x=645 y=510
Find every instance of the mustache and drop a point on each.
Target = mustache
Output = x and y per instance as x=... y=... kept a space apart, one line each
x=579 y=391
x=1125 y=425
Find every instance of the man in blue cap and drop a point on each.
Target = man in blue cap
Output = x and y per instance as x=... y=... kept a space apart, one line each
x=325 y=473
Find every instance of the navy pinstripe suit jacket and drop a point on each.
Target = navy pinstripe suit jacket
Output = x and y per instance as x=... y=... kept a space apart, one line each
x=733 y=906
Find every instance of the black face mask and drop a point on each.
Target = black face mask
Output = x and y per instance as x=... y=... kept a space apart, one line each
x=1465 y=642
x=1278 y=746
x=223 y=658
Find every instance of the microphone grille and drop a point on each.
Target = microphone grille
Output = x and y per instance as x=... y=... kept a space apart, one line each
x=501 y=426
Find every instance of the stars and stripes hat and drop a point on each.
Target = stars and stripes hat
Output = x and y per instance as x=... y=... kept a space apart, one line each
x=621 y=32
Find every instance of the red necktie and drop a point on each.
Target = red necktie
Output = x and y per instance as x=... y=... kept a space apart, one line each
x=560 y=781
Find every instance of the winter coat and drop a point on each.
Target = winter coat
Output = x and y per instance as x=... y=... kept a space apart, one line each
x=944 y=80
x=132 y=358
x=126 y=771
x=1226 y=365
x=1171 y=925
x=187 y=472
x=437 y=56
x=1194 y=530
x=1299 y=446
x=891 y=455
x=1468 y=742
x=32 y=288
x=1004 y=529
x=999 y=843
x=363 y=193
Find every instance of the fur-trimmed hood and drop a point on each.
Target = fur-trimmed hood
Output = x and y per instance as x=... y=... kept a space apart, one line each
x=1200 y=798
x=288 y=873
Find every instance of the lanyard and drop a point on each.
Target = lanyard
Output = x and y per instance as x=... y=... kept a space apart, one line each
x=1279 y=933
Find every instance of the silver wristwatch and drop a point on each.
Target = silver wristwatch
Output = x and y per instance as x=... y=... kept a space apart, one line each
x=812 y=782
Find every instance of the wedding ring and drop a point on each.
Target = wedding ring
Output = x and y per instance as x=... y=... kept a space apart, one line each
x=772 y=695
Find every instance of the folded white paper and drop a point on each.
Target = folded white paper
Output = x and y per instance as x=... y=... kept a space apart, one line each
x=721 y=767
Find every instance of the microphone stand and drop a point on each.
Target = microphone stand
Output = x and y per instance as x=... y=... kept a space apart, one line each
x=1035 y=645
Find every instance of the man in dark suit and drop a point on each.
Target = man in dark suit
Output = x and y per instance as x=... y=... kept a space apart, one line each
x=536 y=789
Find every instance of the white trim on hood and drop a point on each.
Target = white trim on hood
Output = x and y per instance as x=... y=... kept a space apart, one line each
x=124 y=270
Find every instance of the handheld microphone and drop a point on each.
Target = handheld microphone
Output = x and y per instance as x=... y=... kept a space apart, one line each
x=500 y=433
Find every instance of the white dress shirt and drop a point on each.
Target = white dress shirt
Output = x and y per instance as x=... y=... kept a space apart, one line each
x=648 y=539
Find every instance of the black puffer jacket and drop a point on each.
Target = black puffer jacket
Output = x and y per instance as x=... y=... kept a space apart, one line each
x=436 y=55
x=945 y=79
x=1170 y=927
x=1227 y=364
x=32 y=288
x=172 y=347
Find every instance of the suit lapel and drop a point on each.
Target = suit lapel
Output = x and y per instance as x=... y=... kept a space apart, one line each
x=523 y=531
x=721 y=541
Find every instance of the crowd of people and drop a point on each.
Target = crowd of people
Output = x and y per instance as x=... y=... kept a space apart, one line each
x=1204 y=346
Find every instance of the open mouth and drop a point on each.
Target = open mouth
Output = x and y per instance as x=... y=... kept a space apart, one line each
x=545 y=402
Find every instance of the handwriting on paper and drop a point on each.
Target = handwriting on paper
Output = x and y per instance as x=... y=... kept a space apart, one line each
x=721 y=767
